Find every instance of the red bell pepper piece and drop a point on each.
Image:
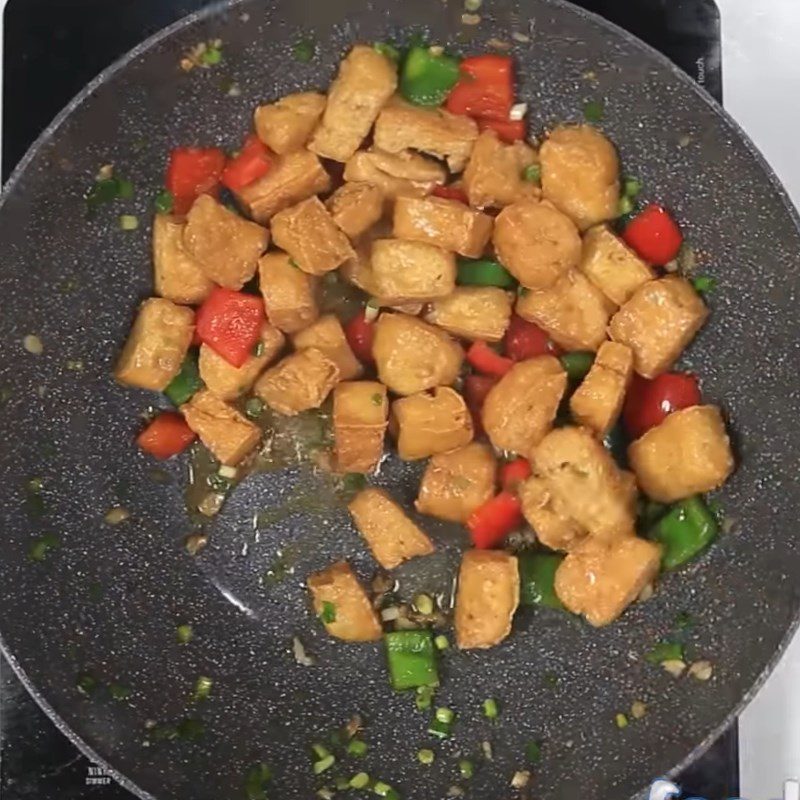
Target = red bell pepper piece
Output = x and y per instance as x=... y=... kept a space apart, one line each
x=252 y=163
x=360 y=334
x=654 y=235
x=230 y=323
x=514 y=472
x=450 y=193
x=490 y=523
x=193 y=171
x=648 y=402
x=486 y=88
x=166 y=436
x=509 y=130
x=527 y=340
x=476 y=387
x=487 y=361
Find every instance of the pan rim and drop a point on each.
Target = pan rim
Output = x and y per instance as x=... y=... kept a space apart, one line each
x=219 y=7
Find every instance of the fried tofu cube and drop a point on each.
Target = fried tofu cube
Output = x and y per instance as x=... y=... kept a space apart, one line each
x=360 y=417
x=580 y=174
x=456 y=483
x=426 y=424
x=409 y=271
x=494 y=175
x=292 y=178
x=597 y=402
x=576 y=490
x=536 y=243
x=445 y=223
x=658 y=322
x=287 y=124
x=449 y=137
x=688 y=453
x=176 y=275
x=228 y=382
x=156 y=346
x=612 y=266
x=225 y=245
x=221 y=428
x=573 y=311
x=391 y=536
x=473 y=312
x=486 y=599
x=338 y=591
x=327 y=335
x=366 y=80
x=396 y=174
x=309 y=235
x=290 y=295
x=520 y=408
x=299 y=382
x=356 y=206
x=412 y=356
x=601 y=579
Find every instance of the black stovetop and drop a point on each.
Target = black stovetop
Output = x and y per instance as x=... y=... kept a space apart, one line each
x=54 y=47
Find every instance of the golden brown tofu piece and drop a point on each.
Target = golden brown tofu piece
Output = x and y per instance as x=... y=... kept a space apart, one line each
x=299 y=382
x=287 y=124
x=536 y=243
x=156 y=345
x=411 y=271
x=580 y=174
x=366 y=80
x=290 y=295
x=291 y=179
x=396 y=174
x=658 y=322
x=327 y=335
x=612 y=266
x=221 y=428
x=597 y=402
x=337 y=591
x=225 y=245
x=391 y=536
x=356 y=206
x=573 y=311
x=456 y=483
x=412 y=356
x=520 y=408
x=601 y=579
x=309 y=235
x=493 y=177
x=688 y=453
x=576 y=490
x=430 y=423
x=176 y=275
x=360 y=417
x=228 y=382
x=446 y=223
x=487 y=597
x=402 y=126
x=473 y=312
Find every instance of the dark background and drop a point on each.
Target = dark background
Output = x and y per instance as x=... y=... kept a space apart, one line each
x=52 y=49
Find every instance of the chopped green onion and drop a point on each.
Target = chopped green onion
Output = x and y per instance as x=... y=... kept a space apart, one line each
x=684 y=621
x=304 y=50
x=424 y=697
x=211 y=56
x=42 y=546
x=127 y=222
x=377 y=399
x=125 y=189
x=202 y=688
x=424 y=604
x=471 y=6
x=441 y=730
x=704 y=284
x=441 y=642
x=328 y=613
x=533 y=752
x=490 y=708
x=381 y=789
x=445 y=715
x=371 y=310
x=466 y=768
x=119 y=692
x=356 y=747
x=426 y=756
x=359 y=781
x=577 y=364
x=593 y=111
x=255 y=784
x=164 y=201
x=532 y=173
x=631 y=187
x=293 y=263
x=324 y=764
x=387 y=49
x=625 y=206
x=254 y=408
x=258 y=349
x=86 y=684
x=186 y=383
x=185 y=634
x=621 y=720
x=106 y=190
x=665 y=651
x=320 y=751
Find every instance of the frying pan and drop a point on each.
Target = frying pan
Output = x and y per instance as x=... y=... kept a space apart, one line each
x=106 y=601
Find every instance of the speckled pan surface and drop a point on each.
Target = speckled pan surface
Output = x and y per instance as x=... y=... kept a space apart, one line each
x=107 y=601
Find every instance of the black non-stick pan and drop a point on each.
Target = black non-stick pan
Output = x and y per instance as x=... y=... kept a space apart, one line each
x=97 y=614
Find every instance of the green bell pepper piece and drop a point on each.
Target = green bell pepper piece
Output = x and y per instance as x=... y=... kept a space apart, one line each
x=577 y=364
x=186 y=383
x=537 y=575
x=426 y=79
x=686 y=530
x=483 y=272
x=412 y=659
